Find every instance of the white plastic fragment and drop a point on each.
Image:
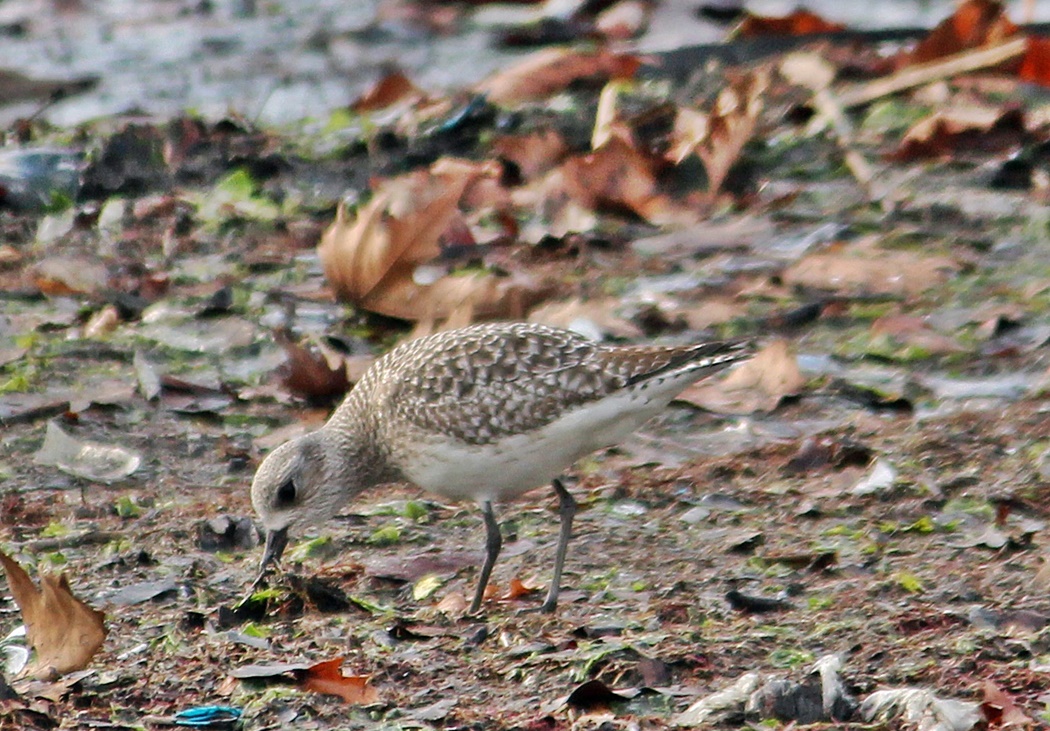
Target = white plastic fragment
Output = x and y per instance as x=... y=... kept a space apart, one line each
x=880 y=479
x=89 y=460
x=728 y=700
x=921 y=709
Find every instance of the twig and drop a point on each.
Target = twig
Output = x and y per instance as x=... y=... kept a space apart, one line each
x=960 y=63
x=811 y=71
x=87 y=538
x=827 y=107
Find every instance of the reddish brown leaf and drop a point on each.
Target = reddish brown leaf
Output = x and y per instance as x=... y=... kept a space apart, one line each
x=1000 y=709
x=799 y=23
x=550 y=71
x=519 y=589
x=617 y=175
x=392 y=88
x=310 y=374
x=1035 y=65
x=327 y=677
x=974 y=23
x=65 y=632
x=453 y=604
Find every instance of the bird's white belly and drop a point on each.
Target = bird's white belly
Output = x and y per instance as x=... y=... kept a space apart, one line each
x=505 y=469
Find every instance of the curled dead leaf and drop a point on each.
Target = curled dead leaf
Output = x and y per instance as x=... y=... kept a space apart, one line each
x=947 y=132
x=372 y=259
x=760 y=384
x=65 y=632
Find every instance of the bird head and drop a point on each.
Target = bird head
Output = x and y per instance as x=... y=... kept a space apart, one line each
x=298 y=485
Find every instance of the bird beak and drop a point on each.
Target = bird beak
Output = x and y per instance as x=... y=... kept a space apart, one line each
x=276 y=540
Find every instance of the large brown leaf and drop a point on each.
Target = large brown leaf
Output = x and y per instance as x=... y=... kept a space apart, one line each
x=65 y=632
x=371 y=260
x=760 y=384
x=550 y=71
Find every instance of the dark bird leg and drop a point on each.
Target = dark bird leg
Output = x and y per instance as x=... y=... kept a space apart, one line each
x=566 y=509
x=493 y=544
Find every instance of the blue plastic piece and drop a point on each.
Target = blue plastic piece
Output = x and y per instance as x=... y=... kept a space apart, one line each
x=207 y=716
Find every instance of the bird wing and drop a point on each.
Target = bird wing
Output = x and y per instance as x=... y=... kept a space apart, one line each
x=483 y=383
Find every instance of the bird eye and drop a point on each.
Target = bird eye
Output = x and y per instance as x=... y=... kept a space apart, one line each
x=285 y=494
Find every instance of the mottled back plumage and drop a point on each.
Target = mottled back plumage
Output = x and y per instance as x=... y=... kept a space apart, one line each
x=487 y=382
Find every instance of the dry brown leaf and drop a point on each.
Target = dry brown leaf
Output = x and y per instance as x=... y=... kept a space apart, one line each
x=597 y=314
x=618 y=175
x=974 y=23
x=970 y=129
x=534 y=154
x=371 y=260
x=65 y=632
x=719 y=137
x=870 y=271
x=760 y=384
x=550 y=71
x=393 y=87
x=1001 y=710
x=327 y=677
x=519 y=589
x=310 y=374
x=454 y=604
x=398 y=229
